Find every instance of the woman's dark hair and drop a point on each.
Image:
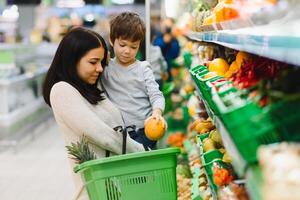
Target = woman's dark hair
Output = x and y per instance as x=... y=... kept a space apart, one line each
x=75 y=44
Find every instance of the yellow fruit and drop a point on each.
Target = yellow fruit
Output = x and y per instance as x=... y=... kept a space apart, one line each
x=192 y=110
x=222 y=150
x=208 y=145
x=215 y=136
x=203 y=127
x=226 y=158
x=218 y=65
x=155 y=129
x=188 y=88
x=219 y=14
x=208 y=20
x=242 y=57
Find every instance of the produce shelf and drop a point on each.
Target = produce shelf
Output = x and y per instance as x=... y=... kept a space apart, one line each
x=278 y=43
x=238 y=162
x=195 y=189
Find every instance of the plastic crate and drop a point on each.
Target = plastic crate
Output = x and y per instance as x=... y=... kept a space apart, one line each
x=208 y=159
x=208 y=156
x=134 y=176
x=198 y=69
x=249 y=129
x=209 y=174
x=286 y=117
x=250 y=126
x=187 y=57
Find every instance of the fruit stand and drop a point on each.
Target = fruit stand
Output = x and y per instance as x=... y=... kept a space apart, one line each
x=244 y=76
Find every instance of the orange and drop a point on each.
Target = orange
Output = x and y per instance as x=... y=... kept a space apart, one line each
x=230 y=13
x=228 y=74
x=234 y=67
x=155 y=129
x=218 y=65
x=242 y=57
x=219 y=14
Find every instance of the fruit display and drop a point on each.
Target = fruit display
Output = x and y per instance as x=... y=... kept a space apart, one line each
x=233 y=192
x=176 y=139
x=200 y=183
x=250 y=92
x=202 y=126
x=222 y=175
x=218 y=15
x=183 y=176
x=218 y=65
x=184 y=188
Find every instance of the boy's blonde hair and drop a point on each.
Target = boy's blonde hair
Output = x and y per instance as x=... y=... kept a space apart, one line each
x=128 y=26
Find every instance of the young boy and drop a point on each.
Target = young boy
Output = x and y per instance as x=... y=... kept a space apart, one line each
x=130 y=83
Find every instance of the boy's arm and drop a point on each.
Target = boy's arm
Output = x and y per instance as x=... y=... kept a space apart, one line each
x=157 y=112
x=156 y=97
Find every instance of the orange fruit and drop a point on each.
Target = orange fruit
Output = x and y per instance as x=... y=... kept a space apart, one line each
x=219 y=14
x=242 y=57
x=218 y=65
x=155 y=129
x=230 y=13
x=234 y=67
x=228 y=74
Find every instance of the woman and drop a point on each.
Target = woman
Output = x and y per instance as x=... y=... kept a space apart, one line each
x=79 y=106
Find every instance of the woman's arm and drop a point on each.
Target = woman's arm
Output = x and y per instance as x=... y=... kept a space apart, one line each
x=74 y=112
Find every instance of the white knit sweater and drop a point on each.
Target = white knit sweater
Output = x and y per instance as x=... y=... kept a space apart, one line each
x=75 y=116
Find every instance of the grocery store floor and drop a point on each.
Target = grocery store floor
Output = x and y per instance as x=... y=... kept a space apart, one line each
x=38 y=168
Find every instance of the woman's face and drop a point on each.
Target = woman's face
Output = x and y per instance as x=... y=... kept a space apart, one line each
x=89 y=66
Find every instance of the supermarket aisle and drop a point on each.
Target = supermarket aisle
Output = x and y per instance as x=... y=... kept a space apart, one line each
x=38 y=170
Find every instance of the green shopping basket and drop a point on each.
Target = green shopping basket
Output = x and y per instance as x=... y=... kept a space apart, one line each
x=143 y=175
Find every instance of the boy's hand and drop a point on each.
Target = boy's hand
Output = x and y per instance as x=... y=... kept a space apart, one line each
x=157 y=114
x=158 y=118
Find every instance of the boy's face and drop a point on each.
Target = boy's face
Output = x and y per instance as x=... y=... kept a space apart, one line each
x=125 y=51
